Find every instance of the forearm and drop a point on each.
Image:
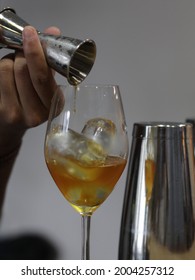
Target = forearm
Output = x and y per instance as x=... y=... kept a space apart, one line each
x=27 y=85
x=6 y=166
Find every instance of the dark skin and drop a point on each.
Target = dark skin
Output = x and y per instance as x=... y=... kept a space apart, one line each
x=27 y=85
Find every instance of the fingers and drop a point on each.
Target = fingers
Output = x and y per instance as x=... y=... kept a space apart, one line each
x=8 y=92
x=26 y=83
x=52 y=30
x=33 y=109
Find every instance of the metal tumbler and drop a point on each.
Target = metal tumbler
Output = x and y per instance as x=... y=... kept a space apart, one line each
x=159 y=201
x=72 y=58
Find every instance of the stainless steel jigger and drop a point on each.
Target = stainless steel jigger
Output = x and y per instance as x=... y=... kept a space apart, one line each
x=73 y=58
x=158 y=219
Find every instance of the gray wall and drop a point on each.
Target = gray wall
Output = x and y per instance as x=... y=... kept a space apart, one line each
x=145 y=46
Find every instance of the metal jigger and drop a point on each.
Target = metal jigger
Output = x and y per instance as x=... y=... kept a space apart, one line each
x=73 y=58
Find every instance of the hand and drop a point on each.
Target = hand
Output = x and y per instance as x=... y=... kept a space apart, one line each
x=27 y=85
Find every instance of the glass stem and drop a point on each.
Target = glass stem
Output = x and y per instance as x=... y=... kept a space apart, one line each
x=85 y=220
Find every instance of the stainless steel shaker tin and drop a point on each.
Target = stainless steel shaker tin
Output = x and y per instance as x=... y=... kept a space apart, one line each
x=159 y=201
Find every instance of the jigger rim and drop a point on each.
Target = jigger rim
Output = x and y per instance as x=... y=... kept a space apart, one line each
x=76 y=75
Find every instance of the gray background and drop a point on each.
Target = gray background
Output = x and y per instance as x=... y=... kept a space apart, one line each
x=145 y=46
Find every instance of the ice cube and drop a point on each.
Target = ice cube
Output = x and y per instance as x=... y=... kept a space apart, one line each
x=101 y=130
x=77 y=146
x=59 y=142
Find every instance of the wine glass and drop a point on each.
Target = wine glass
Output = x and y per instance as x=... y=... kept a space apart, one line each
x=86 y=147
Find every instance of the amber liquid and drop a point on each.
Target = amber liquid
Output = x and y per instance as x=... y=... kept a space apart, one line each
x=85 y=187
x=149 y=175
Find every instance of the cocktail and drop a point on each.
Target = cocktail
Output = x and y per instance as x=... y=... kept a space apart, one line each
x=86 y=147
